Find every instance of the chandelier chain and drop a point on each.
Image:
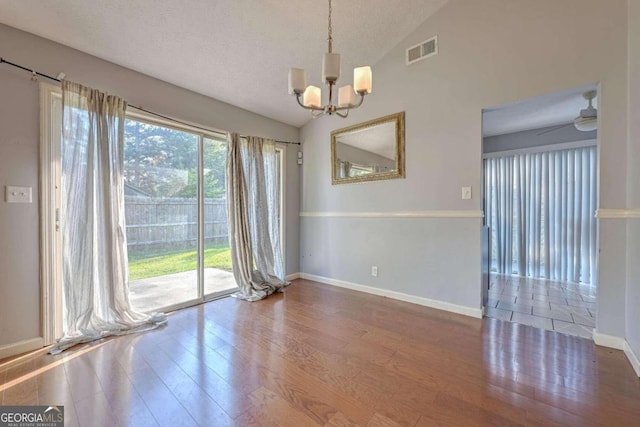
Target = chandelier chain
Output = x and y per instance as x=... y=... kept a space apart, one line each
x=330 y=28
x=310 y=97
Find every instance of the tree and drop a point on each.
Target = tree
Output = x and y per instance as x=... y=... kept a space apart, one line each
x=212 y=187
x=163 y=162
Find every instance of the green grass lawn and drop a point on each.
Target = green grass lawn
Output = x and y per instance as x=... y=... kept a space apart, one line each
x=144 y=268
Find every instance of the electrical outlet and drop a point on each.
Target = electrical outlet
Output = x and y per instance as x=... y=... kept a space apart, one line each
x=374 y=271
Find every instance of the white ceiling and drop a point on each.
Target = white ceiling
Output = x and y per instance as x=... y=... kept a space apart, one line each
x=237 y=51
x=547 y=110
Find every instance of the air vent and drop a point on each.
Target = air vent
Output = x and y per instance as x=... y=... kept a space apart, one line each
x=422 y=50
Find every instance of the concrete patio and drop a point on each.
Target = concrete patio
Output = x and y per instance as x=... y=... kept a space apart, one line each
x=157 y=292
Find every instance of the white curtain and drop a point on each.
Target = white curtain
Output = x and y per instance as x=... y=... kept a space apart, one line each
x=540 y=208
x=253 y=204
x=95 y=276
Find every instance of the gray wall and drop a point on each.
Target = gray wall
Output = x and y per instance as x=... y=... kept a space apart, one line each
x=19 y=260
x=531 y=138
x=492 y=52
x=633 y=189
x=19 y=139
x=407 y=252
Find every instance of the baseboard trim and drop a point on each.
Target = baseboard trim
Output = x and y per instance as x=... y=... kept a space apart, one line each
x=292 y=276
x=633 y=358
x=427 y=302
x=21 y=347
x=610 y=341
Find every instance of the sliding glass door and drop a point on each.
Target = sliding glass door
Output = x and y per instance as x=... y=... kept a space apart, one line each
x=176 y=215
x=218 y=270
x=175 y=210
x=161 y=208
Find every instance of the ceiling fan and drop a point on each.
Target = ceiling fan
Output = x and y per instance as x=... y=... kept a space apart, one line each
x=586 y=121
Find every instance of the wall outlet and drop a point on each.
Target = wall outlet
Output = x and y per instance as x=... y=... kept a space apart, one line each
x=466 y=193
x=374 y=271
x=17 y=194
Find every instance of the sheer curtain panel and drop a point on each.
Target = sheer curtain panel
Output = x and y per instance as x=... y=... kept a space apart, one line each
x=95 y=276
x=253 y=204
x=540 y=208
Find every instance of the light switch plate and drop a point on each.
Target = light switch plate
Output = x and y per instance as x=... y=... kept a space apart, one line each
x=466 y=193
x=15 y=194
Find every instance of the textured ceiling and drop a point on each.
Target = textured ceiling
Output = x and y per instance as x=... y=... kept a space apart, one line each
x=535 y=113
x=237 y=51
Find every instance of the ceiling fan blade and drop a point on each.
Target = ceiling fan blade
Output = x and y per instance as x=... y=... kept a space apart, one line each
x=553 y=129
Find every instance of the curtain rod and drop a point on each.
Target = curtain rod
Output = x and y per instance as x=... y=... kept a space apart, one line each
x=35 y=73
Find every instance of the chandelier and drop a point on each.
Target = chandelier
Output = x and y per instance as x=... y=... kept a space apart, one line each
x=310 y=97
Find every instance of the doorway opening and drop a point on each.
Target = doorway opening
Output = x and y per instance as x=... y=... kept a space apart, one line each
x=540 y=189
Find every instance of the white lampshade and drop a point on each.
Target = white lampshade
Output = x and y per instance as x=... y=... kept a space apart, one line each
x=362 y=79
x=346 y=96
x=331 y=67
x=297 y=80
x=586 y=124
x=312 y=97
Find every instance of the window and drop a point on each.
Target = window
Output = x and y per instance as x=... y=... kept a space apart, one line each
x=175 y=209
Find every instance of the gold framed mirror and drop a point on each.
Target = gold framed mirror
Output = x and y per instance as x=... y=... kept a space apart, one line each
x=369 y=151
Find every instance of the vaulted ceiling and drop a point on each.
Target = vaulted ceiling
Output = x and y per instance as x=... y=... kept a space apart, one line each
x=237 y=51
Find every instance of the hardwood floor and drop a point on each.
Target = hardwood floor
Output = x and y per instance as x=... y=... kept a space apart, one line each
x=324 y=356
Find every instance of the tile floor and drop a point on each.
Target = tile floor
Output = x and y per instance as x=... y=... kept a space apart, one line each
x=557 y=306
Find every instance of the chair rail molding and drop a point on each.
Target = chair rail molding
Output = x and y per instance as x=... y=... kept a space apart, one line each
x=397 y=214
x=603 y=213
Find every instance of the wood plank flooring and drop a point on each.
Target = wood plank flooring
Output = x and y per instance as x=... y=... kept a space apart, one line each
x=324 y=356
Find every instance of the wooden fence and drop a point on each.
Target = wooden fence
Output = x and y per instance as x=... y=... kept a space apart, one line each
x=158 y=225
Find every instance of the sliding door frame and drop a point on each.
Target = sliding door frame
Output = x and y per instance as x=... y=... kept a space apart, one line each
x=201 y=135
x=49 y=199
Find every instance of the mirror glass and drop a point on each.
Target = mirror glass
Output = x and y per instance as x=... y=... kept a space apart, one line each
x=369 y=151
